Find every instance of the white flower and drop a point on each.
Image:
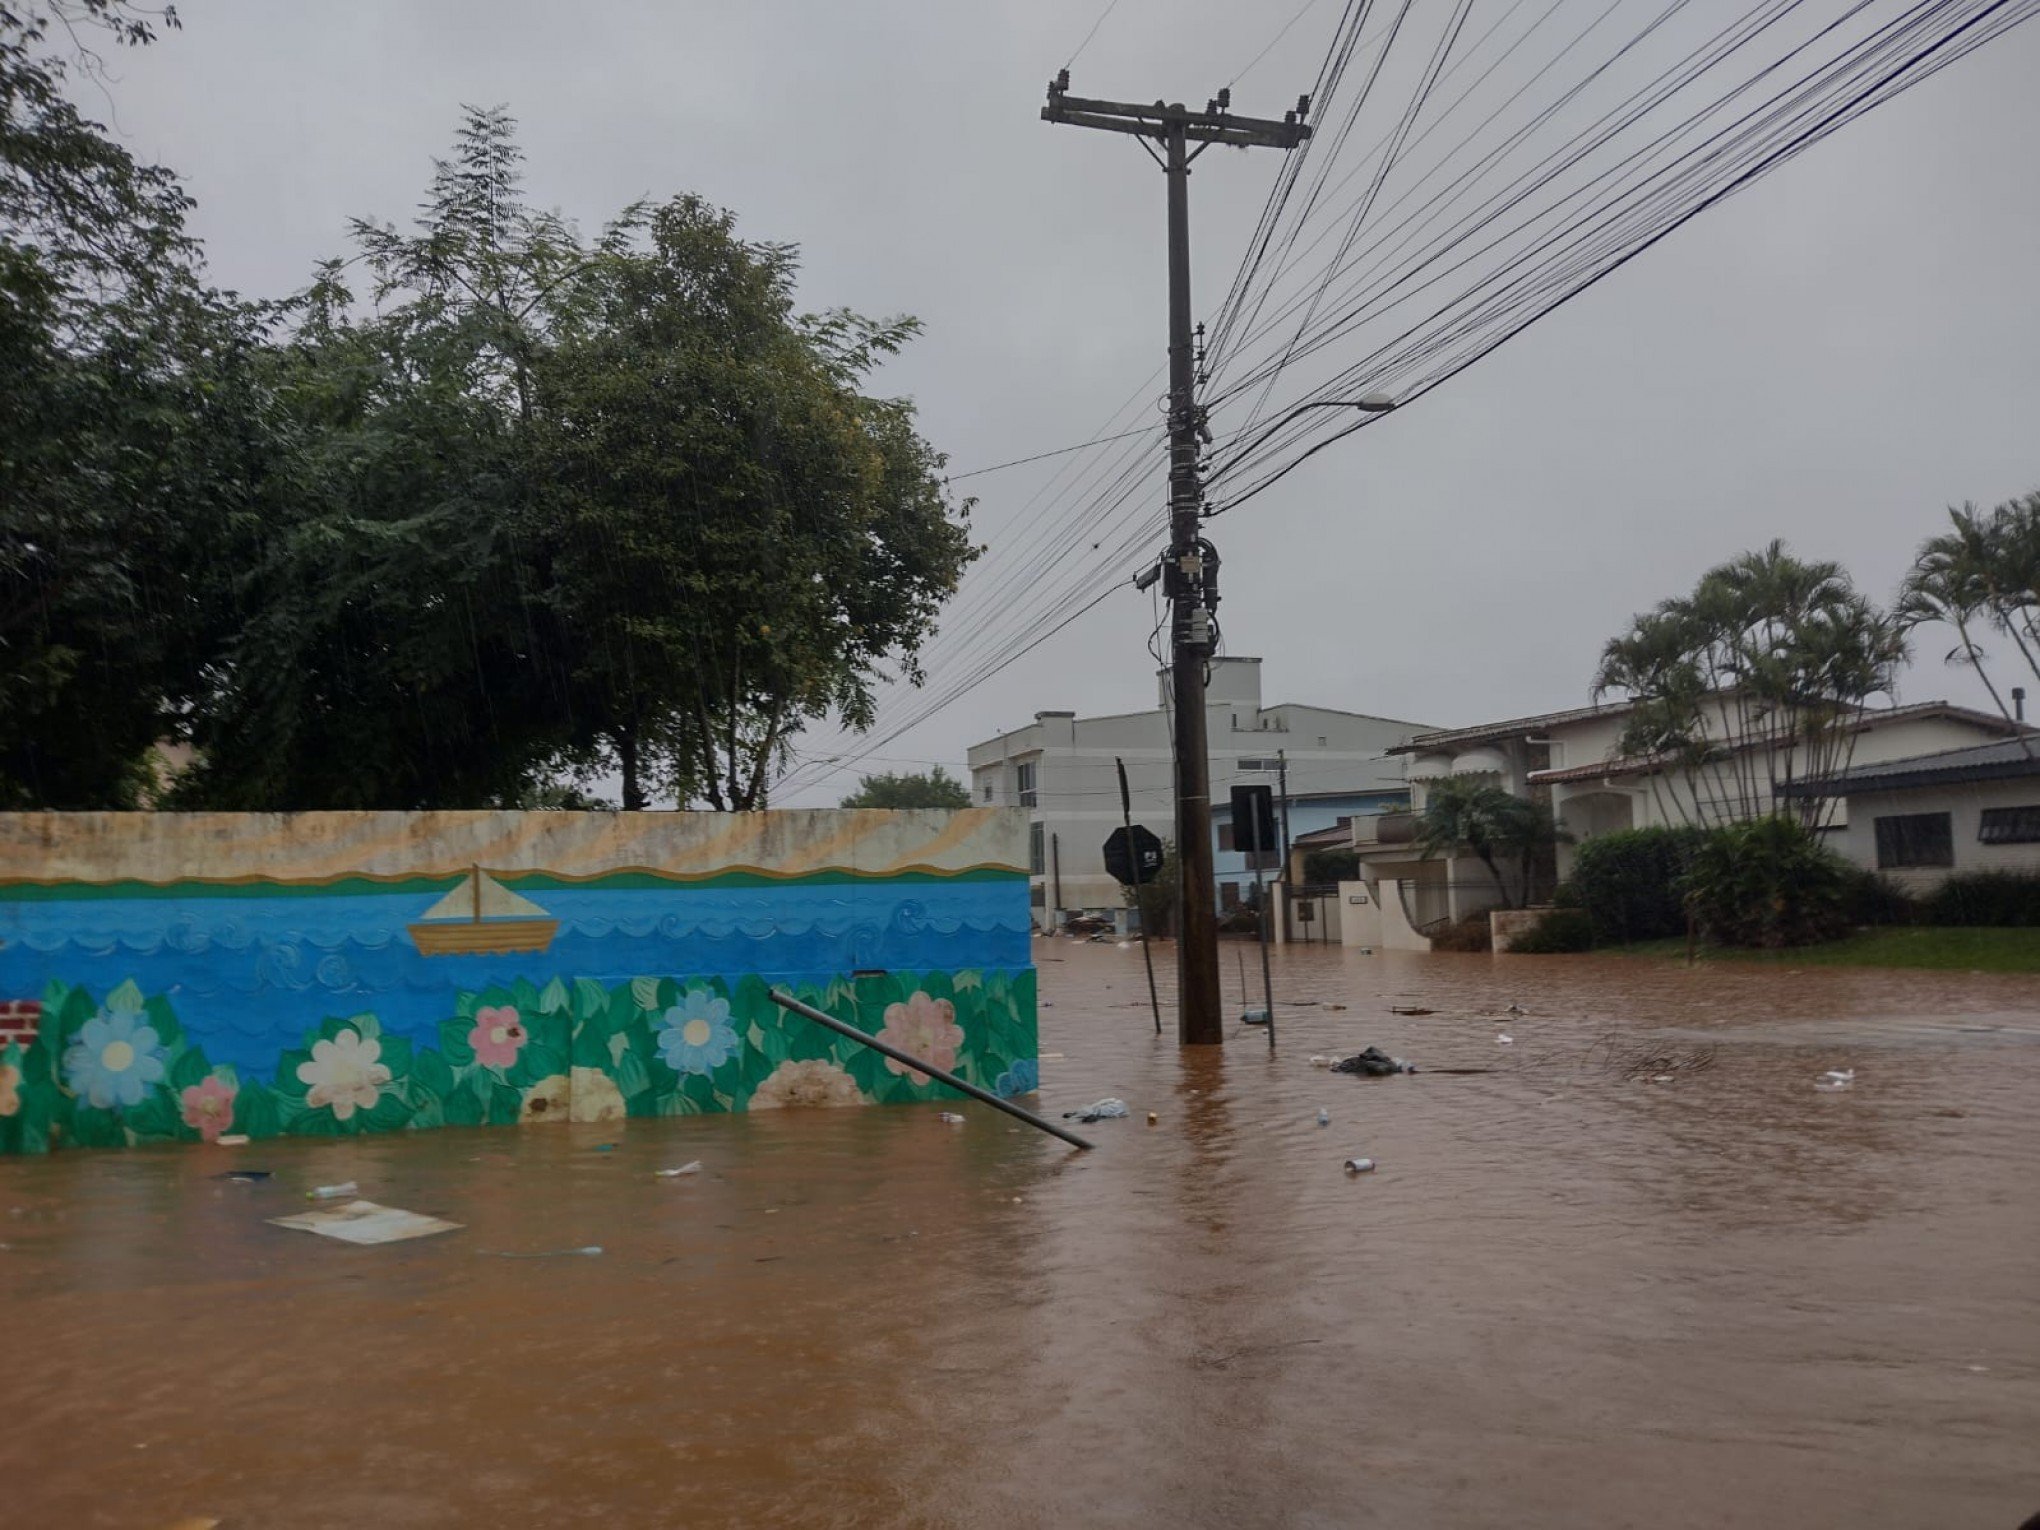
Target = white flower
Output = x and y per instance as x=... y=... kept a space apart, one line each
x=550 y=1099
x=595 y=1096
x=345 y=1074
x=798 y=1085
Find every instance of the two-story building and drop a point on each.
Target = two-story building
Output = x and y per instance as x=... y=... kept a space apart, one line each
x=1573 y=762
x=1062 y=768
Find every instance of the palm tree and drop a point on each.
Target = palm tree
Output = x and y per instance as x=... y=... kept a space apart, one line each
x=1495 y=825
x=1778 y=654
x=1973 y=573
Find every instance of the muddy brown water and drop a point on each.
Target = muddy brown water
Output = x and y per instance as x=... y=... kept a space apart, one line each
x=1569 y=1296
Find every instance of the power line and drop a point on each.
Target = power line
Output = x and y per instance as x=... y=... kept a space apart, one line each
x=1060 y=451
x=1111 y=6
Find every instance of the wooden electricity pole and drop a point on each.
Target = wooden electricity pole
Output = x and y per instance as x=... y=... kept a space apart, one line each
x=1190 y=566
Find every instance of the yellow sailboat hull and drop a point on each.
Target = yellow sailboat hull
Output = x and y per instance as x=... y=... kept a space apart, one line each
x=450 y=937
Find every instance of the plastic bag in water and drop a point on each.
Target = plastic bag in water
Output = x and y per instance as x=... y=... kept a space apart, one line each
x=1102 y=1110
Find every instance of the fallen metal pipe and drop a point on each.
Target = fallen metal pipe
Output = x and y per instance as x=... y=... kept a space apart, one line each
x=788 y=1001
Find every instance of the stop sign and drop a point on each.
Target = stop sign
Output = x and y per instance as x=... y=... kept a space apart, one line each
x=1133 y=855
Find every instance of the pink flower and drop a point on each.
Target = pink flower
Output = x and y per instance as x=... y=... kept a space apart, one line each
x=498 y=1036
x=925 y=1026
x=209 y=1107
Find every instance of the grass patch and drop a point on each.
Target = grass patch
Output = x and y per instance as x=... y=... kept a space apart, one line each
x=1949 y=948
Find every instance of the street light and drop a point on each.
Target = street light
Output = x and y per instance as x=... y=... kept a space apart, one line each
x=1367 y=403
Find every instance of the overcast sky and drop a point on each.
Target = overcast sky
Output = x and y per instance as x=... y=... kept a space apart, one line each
x=1830 y=357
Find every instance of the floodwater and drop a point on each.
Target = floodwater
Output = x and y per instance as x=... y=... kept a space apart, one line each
x=1569 y=1296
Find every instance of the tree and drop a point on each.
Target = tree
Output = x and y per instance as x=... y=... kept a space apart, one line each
x=1983 y=572
x=936 y=789
x=1158 y=897
x=737 y=538
x=1757 y=679
x=559 y=508
x=1493 y=825
x=135 y=441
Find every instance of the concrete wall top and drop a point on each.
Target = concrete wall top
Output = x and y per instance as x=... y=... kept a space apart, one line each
x=174 y=847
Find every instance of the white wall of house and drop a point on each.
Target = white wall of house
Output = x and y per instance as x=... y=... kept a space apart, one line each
x=1061 y=767
x=1964 y=804
x=1641 y=801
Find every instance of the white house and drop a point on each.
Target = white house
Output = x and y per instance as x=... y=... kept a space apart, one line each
x=1571 y=761
x=1061 y=767
x=1925 y=818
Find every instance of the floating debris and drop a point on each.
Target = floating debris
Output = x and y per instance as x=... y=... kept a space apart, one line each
x=548 y=1253
x=1373 y=1063
x=685 y=1168
x=1110 y=1109
x=366 y=1222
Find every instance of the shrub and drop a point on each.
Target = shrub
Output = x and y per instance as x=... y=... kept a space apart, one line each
x=1767 y=883
x=1321 y=868
x=1473 y=933
x=2010 y=898
x=1868 y=898
x=1558 y=932
x=1630 y=883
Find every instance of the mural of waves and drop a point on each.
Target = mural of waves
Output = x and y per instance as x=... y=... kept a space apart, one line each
x=244 y=964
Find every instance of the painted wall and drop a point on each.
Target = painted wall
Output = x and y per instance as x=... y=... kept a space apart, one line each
x=1964 y=804
x=172 y=977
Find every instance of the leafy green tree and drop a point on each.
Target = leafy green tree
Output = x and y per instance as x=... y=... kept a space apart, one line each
x=738 y=537
x=135 y=439
x=1755 y=680
x=936 y=789
x=560 y=508
x=1982 y=573
x=1157 y=898
x=1494 y=826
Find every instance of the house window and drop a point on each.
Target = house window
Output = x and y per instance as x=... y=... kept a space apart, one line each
x=1267 y=860
x=2010 y=825
x=1915 y=839
x=988 y=788
x=1028 y=796
x=1037 y=855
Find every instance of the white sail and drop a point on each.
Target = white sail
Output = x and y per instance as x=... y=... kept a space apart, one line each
x=495 y=902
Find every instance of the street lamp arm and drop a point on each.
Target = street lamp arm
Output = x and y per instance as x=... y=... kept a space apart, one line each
x=1373 y=403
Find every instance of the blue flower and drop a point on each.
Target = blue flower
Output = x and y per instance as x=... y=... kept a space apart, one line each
x=697 y=1036
x=1024 y=1077
x=114 y=1060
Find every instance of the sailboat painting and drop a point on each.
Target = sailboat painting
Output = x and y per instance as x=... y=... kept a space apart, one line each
x=482 y=916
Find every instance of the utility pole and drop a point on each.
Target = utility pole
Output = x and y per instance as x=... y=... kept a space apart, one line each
x=1190 y=566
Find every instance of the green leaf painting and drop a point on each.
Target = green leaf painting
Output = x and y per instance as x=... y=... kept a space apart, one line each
x=122 y=1068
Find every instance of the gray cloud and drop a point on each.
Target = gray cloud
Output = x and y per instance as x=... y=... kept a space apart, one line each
x=1829 y=357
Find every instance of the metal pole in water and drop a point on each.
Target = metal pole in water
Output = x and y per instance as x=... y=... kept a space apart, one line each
x=1261 y=898
x=808 y=1011
x=1139 y=907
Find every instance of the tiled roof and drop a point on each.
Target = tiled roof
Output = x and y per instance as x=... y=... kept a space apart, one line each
x=2006 y=759
x=1637 y=765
